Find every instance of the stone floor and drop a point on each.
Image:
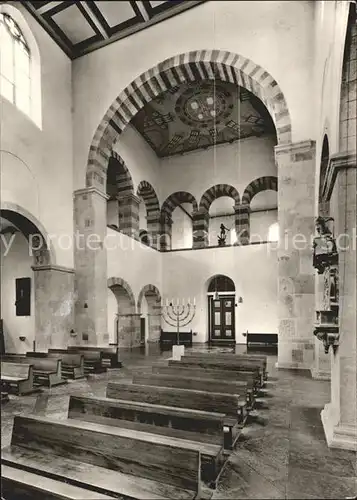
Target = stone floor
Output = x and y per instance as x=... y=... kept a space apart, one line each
x=282 y=453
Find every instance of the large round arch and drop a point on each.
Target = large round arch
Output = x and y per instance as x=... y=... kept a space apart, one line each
x=189 y=67
x=41 y=247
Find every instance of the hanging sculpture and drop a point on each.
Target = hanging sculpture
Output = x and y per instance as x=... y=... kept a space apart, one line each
x=325 y=261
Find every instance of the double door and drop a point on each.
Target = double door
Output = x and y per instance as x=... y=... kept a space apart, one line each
x=221 y=319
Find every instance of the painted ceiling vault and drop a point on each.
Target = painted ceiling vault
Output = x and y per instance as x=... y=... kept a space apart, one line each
x=199 y=115
x=81 y=27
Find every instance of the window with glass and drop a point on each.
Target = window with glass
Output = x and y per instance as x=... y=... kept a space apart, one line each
x=15 y=60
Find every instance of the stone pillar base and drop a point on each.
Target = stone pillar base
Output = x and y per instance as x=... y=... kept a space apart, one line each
x=343 y=437
x=320 y=374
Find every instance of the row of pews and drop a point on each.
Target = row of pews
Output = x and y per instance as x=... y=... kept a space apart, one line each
x=23 y=374
x=167 y=434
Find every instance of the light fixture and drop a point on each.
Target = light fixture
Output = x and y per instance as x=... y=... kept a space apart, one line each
x=240 y=300
x=194 y=105
x=216 y=296
x=85 y=305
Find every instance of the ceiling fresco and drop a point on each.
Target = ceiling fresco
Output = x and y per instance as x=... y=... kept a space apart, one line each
x=199 y=115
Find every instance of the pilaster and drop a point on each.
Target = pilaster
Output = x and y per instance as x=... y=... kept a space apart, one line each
x=165 y=232
x=90 y=258
x=54 y=306
x=129 y=214
x=296 y=288
x=339 y=417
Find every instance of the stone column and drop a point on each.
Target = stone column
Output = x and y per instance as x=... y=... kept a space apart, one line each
x=154 y=326
x=129 y=330
x=129 y=215
x=90 y=259
x=200 y=223
x=153 y=228
x=54 y=306
x=296 y=206
x=242 y=224
x=339 y=417
x=165 y=232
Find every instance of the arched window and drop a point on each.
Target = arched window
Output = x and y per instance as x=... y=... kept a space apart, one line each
x=15 y=71
x=273 y=234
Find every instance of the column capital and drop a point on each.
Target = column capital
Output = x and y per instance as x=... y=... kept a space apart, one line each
x=128 y=196
x=53 y=267
x=90 y=190
x=298 y=150
x=338 y=162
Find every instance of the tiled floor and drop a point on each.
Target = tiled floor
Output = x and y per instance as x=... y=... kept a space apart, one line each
x=282 y=453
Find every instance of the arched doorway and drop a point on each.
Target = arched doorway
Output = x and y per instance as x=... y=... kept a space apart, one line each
x=221 y=310
x=26 y=263
x=149 y=308
x=122 y=318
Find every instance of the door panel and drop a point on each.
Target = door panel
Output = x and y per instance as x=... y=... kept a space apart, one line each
x=222 y=318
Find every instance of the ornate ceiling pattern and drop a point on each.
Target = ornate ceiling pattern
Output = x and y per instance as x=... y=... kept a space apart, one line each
x=199 y=115
x=81 y=27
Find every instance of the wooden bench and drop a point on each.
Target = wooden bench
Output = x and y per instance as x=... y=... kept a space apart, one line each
x=92 y=359
x=18 y=484
x=72 y=363
x=109 y=358
x=262 y=340
x=251 y=377
x=45 y=370
x=228 y=404
x=170 y=338
x=216 y=378
x=196 y=384
x=156 y=419
x=241 y=360
x=17 y=375
x=105 y=459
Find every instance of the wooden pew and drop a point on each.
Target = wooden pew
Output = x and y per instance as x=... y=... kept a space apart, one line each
x=110 y=355
x=240 y=359
x=18 y=484
x=92 y=359
x=218 y=376
x=18 y=375
x=228 y=404
x=72 y=363
x=196 y=384
x=45 y=370
x=156 y=419
x=221 y=365
x=252 y=378
x=106 y=459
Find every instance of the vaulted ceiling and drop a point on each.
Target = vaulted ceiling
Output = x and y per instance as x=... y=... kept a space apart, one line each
x=81 y=27
x=199 y=115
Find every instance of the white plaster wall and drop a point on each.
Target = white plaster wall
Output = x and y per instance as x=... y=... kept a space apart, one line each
x=182 y=235
x=36 y=165
x=236 y=164
x=16 y=263
x=252 y=268
x=330 y=32
x=135 y=263
x=276 y=35
x=142 y=162
x=260 y=223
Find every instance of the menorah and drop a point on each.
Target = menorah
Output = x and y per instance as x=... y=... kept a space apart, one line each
x=178 y=315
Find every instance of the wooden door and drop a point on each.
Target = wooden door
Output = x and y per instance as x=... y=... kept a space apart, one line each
x=222 y=321
x=142 y=330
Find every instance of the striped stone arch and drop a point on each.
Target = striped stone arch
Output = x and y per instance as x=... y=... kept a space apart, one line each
x=123 y=179
x=113 y=282
x=215 y=192
x=183 y=68
x=258 y=185
x=148 y=194
x=174 y=200
x=151 y=290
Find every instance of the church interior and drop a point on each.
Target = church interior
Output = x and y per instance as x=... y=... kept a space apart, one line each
x=178 y=249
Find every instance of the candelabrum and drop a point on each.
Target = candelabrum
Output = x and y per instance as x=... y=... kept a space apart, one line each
x=178 y=315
